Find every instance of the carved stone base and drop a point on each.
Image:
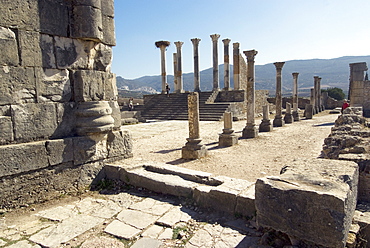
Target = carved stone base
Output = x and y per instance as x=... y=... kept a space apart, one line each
x=288 y=118
x=225 y=140
x=296 y=116
x=265 y=126
x=250 y=132
x=193 y=149
x=278 y=122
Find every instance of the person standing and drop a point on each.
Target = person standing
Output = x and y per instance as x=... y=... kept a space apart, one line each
x=168 y=90
x=344 y=105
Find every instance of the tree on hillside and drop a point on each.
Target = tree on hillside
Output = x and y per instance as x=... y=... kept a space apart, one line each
x=336 y=93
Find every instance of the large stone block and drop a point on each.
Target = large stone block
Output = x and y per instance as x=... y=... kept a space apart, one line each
x=88 y=86
x=48 y=54
x=21 y=158
x=17 y=85
x=110 y=86
x=87 y=23
x=20 y=14
x=53 y=85
x=6 y=127
x=92 y=3
x=103 y=57
x=89 y=148
x=66 y=120
x=109 y=35
x=311 y=200
x=34 y=121
x=54 y=17
x=59 y=151
x=29 y=47
x=119 y=144
x=8 y=47
x=116 y=114
x=107 y=8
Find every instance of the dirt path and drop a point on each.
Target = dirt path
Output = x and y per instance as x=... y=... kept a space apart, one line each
x=250 y=159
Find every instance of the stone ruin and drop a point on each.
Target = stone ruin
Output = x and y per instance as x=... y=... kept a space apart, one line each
x=59 y=116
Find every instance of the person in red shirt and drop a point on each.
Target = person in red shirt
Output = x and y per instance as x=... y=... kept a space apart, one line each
x=344 y=105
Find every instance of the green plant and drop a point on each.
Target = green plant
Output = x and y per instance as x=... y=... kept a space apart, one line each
x=335 y=92
x=104 y=184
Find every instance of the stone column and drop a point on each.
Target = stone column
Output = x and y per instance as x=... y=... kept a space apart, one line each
x=288 y=118
x=175 y=85
x=319 y=94
x=278 y=121
x=163 y=46
x=313 y=101
x=179 y=67
x=295 y=96
x=226 y=64
x=265 y=125
x=236 y=71
x=308 y=111
x=215 y=61
x=356 y=83
x=193 y=149
x=195 y=42
x=228 y=137
x=250 y=130
x=316 y=94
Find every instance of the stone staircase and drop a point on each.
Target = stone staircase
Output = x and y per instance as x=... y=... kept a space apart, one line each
x=175 y=107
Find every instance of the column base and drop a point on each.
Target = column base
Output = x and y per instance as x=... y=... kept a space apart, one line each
x=265 y=126
x=288 y=118
x=296 y=116
x=226 y=140
x=308 y=112
x=278 y=122
x=193 y=149
x=250 y=132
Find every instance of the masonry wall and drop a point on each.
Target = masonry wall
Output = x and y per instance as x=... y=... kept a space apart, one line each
x=59 y=116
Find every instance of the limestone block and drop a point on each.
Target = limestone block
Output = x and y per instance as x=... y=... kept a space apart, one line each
x=59 y=151
x=21 y=158
x=54 y=17
x=18 y=85
x=34 y=121
x=53 y=85
x=119 y=144
x=72 y=53
x=109 y=35
x=29 y=47
x=311 y=200
x=89 y=148
x=87 y=23
x=8 y=47
x=5 y=110
x=20 y=14
x=66 y=120
x=116 y=114
x=245 y=202
x=48 y=54
x=110 y=86
x=107 y=8
x=6 y=127
x=91 y=173
x=92 y=3
x=103 y=57
x=88 y=86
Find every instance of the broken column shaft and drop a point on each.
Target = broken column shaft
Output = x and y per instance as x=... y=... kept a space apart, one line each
x=278 y=121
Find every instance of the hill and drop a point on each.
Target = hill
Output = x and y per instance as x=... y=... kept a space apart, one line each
x=334 y=73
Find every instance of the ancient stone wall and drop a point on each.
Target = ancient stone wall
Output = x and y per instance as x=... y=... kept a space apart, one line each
x=59 y=117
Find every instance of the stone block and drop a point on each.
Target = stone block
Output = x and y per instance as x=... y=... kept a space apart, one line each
x=103 y=57
x=66 y=120
x=34 y=121
x=91 y=173
x=89 y=148
x=54 y=17
x=5 y=110
x=116 y=114
x=119 y=144
x=311 y=200
x=29 y=47
x=109 y=35
x=110 y=86
x=20 y=14
x=6 y=127
x=87 y=23
x=18 y=85
x=59 y=151
x=107 y=8
x=91 y=3
x=245 y=202
x=53 y=85
x=21 y=158
x=48 y=54
x=8 y=47
x=88 y=86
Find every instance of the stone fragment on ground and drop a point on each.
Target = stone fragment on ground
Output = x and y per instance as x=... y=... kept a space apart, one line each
x=122 y=230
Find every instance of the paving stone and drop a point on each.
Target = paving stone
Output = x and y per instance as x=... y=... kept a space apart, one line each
x=101 y=241
x=122 y=230
x=136 y=218
x=24 y=244
x=124 y=200
x=32 y=227
x=201 y=238
x=167 y=234
x=152 y=231
x=58 y=213
x=175 y=215
x=98 y=207
x=147 y=242
x=152 y=206
x=66 y=230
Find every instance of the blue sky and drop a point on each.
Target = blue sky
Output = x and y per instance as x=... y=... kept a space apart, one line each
x=279 y=30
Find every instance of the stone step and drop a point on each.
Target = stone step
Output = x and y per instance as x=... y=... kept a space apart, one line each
x=234 y=196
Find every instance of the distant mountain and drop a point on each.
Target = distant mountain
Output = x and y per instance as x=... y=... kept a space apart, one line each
x=334 y=73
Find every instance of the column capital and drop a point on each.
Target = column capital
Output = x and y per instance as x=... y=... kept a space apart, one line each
x=226 y=41
x=250 y=55
x=179 y=44
x=295 y=74
x=236 y=45
x=279 y=65
x=195 y=41
x=215 y=37
x=162 y=44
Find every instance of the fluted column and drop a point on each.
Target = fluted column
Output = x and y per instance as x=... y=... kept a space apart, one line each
x=236 y=71
x=179 y=67
x=295 y=96
x=163 y=46
x=278 y=121
x=250 y=131
x=226 y=64
x=175 y=85
x=195 y=42
x=215 y=61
